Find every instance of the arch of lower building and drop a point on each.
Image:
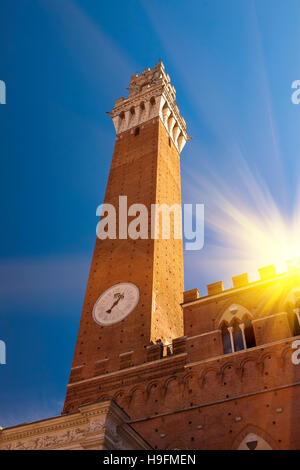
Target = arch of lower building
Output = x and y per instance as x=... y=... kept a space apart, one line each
x=253 y=438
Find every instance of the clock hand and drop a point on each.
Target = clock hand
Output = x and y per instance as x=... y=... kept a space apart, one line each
x=113 y=305
x=119 y=297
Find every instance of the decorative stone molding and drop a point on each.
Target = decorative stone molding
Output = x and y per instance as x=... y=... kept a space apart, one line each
x=234 y=312
x=151 y=95
x=101 y=425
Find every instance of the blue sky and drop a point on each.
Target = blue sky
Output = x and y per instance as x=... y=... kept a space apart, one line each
x=64 y=63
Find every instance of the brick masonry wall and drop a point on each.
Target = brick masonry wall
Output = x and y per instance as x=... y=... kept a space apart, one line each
x=145 y=168
x=261 y=299
x=272 y=416
x=214 y=401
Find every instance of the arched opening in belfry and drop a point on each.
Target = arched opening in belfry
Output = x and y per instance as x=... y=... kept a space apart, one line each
x=165 y=112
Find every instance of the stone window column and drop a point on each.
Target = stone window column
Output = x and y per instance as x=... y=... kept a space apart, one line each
x=242 y=327
x=230 y=329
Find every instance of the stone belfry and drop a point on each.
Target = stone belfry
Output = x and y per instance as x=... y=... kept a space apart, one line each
x=135 y=286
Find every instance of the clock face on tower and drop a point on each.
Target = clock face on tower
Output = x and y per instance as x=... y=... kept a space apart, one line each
x=116 y=303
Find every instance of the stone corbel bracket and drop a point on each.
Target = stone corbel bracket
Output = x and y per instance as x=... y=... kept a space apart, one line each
x=151 y=95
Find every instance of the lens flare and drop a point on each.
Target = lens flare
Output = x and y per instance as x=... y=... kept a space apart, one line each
x=245 y=228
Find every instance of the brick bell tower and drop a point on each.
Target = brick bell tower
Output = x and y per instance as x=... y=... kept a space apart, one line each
x=135 y=286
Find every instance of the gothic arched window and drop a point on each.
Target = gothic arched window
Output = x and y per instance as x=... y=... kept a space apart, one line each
x=238 y=335
x=292 y=307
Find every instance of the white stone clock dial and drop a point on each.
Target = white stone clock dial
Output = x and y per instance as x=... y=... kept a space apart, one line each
x=116 y=303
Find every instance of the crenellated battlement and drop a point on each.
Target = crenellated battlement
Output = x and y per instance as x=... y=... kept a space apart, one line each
x=247 y=315
x=151 y=95
x=266 y=273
